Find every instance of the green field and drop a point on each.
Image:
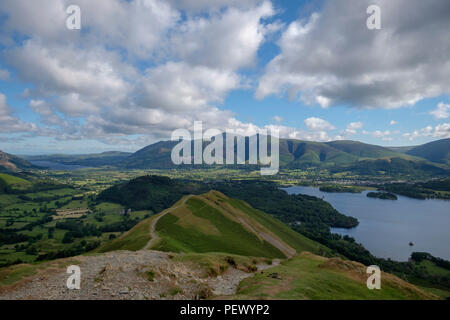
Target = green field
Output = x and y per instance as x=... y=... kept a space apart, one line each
x=29 y=219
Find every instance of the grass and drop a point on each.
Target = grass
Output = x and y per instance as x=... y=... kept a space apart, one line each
x=294 y=239
x=150 y=275
x=12 y=180
x=76 y=204
x=443 y=294
x=232 y=237
x=434 y=269
x=15 y=273
x=307 y=276
x=52 y=193
x=8 y=199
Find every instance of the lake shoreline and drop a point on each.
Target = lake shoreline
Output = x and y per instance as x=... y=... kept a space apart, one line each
x=386 y=228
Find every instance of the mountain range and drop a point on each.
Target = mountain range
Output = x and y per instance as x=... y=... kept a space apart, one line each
x=301 y=154
x=433 y=157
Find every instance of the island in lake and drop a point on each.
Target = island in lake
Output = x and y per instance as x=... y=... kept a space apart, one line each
x=340 y=189
x=382 y=195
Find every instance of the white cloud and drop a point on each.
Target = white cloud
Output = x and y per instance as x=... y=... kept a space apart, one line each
x=179 y=86
x=248 y=129
x=393 y=122
x=41 y=107
x=353 y=126
x=48 y=115
x=108 y=23
x=191 y=61
x=333 y=59
x=229 y=39
x=10 y=124
x=442 y=111
x=96 y=74
x=201 y=5
x=383 y=135
x=176 y=61
x=441 y=131
x=317 y=124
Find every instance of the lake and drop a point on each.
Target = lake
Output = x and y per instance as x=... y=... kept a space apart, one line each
x=386 y=227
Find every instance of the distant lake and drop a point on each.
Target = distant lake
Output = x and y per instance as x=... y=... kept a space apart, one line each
x=56 y=166
x=387 y=226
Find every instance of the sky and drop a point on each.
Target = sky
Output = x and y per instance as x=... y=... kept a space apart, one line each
x=137 y=70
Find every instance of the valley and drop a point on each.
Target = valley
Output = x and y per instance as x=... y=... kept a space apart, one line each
x=189 y=267
x=98 y=211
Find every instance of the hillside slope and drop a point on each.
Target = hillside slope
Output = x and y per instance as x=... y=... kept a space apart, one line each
x=10 y=163
x=436 y=151
x=10 y=181
x=212 y=222
x=311 y=277
x=363 y=150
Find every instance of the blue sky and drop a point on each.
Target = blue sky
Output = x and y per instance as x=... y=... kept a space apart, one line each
x=138 y=71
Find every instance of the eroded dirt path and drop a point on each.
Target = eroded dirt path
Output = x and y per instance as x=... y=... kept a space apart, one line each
x=127 y=275
x=287 y=250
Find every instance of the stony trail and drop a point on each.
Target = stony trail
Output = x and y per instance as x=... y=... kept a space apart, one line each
x=124 y=275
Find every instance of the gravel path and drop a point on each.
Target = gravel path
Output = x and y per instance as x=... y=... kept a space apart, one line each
x=124 y=275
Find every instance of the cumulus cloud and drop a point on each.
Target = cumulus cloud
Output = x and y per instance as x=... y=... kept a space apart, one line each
x=96 y=74
x=229 y=39
x=441 y=112
x=179 y=86
x=383 y=135
x=176 y=61
x=248 y=129
x=332 y=58
x=441 y=131
x=393 y=122
x=315 y=124
x=9 y=123
x=353 y=126
x=108 y=22
x=202 y=5
x=148 y=75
